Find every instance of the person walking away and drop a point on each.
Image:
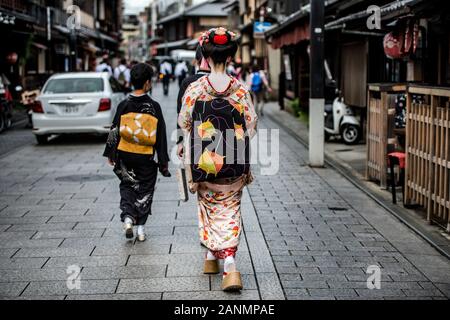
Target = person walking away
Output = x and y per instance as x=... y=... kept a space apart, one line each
x=122 y=73
x=138 y=133
x=218 y=108
x=166 y=72
x=202 y=69
x=181 y=71
x=104 y=66
x=258 y=84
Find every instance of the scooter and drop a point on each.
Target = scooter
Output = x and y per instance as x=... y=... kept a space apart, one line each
x=341 y=121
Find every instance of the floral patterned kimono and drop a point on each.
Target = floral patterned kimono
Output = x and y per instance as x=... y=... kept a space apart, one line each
x=219 y=201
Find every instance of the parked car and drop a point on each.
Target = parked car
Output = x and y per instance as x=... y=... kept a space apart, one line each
x=76 y=102
x=5 y=104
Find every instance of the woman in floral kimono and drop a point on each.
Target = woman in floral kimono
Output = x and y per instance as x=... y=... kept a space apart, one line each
x=218 y=101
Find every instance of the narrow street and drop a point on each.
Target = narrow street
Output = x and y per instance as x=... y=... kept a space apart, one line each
x=308 y=233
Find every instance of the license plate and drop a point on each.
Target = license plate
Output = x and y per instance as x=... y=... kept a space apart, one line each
x=70 y=109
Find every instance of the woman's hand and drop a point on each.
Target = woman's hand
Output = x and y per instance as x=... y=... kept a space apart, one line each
x=111 y=163
x=180 y=151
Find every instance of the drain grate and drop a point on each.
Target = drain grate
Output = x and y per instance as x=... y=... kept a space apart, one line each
x=84 y=178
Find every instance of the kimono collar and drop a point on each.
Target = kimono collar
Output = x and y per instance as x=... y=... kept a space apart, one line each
x=232 y=87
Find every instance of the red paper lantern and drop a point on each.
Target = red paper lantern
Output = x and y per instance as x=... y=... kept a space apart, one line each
x=393 y=45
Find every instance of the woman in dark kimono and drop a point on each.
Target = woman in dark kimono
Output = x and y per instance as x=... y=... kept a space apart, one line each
x=137 y=133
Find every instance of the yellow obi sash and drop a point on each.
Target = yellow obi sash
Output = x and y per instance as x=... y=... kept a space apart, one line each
x=137 y=133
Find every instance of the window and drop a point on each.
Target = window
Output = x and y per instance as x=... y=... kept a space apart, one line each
x=74 y=85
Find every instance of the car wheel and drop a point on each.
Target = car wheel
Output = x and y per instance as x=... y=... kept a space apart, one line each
x=2 y=123
x=8 y=122
x=351 y=134
x=42 y=139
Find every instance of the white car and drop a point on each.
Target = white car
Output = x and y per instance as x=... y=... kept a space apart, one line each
x=76 y=102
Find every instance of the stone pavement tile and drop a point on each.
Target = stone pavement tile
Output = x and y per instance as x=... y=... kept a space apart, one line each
x=34 y=298
x=423 y=293
x=43 y=213
x=97 y=261
x=54 y=252
x=212 y=295
x=7 y=252
x=296 y=294
x=36 y=244
x=17 y=235
x=332 y=292
x=43 y=227
x=13 y=289
x=156 y=259
x=33 y=274
x=19 y=220
x=101 y=218
x=200 y=283
x=122 y=296
x=368 y=294
x=22 y=263
x=138 y=249
x=303 y=284
x=122 y=272
x=94 y=233
x=60 y=287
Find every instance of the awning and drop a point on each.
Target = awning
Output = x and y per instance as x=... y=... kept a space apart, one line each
x=192 y=43
x=173 y=44
x=292 y=30
x=40 y=46
x=107 y=38
x=400 y=7
x=62 y=29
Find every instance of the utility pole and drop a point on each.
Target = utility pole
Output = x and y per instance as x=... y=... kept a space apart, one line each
x=316 y=96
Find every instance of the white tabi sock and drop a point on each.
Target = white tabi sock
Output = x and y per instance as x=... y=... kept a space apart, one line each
x=229 y=265
x=210 y=256
x=140 y=230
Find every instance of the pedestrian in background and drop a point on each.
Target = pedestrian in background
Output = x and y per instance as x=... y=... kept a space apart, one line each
x=166 y=73
x=104 y=66
x=181 y=71
x=122 y=73
x=138 y=133
x=212 y=106
x=259 y=86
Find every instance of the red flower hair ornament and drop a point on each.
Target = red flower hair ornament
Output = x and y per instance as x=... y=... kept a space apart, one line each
x=218 y=36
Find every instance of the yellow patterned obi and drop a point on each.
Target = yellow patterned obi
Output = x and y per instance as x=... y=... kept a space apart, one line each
x=137 y=133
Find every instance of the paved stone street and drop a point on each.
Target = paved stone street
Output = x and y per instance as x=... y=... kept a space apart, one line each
x=308 y=233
